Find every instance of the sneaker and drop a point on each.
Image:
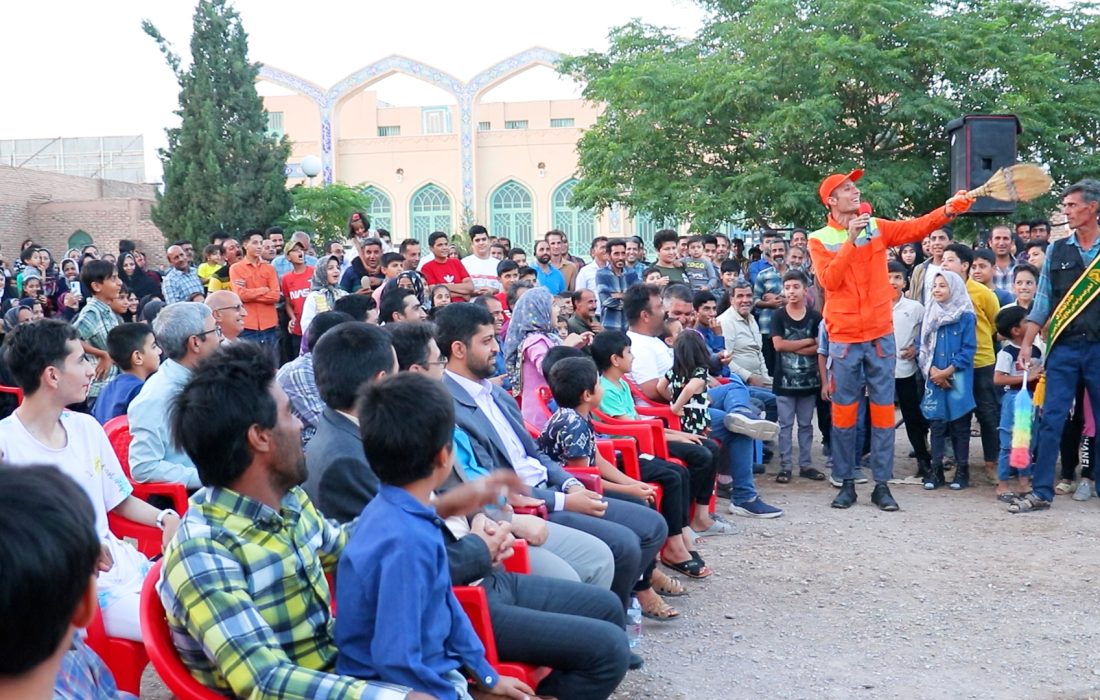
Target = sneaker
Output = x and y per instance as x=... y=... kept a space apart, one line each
x=837 y=483
x=858 y=475
x=756 y=429
x=755 y=509
x=758 y=469
x=1083 y=492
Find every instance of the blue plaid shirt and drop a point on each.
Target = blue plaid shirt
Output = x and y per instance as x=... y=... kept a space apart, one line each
x=84 y=676
x=608 y=283
x=181 y=286
x=768 y=281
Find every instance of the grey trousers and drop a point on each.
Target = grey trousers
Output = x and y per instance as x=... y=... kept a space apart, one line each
x=802 y=409
x=573 y=555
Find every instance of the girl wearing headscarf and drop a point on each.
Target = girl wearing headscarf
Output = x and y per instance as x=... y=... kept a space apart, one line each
x=325 y=287
x=531 y=334
x=947 y=345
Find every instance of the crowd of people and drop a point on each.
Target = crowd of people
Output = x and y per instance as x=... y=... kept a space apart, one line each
x=399 y=422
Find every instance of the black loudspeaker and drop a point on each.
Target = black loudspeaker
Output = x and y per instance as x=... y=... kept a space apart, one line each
x=980 y=144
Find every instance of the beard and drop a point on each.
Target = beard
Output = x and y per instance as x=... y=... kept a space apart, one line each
x=543 y=259
x=483 y=371
x=293 y=472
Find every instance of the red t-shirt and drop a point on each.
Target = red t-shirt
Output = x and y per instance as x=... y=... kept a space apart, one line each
x=450 y=272
x=295 y=288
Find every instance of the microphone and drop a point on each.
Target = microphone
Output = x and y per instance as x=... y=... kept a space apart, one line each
x=865 y=208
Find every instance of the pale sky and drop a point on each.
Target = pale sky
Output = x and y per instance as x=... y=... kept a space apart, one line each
x=87 y=69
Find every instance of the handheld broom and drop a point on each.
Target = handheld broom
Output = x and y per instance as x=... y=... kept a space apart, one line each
x=1016 y=183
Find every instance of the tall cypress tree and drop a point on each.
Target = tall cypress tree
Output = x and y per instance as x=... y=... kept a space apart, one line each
x=222 y=171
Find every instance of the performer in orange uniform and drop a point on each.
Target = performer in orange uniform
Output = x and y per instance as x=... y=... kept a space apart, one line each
x=849 y=259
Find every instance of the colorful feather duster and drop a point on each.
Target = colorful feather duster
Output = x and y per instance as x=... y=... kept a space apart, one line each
x=1020 y=456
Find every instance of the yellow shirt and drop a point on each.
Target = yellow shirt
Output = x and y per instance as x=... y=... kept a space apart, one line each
x=206 y=270
x=986 y=308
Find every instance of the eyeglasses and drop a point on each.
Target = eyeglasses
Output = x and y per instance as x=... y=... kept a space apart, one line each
x=217 y=330
x=238 y=308
x=437 y=363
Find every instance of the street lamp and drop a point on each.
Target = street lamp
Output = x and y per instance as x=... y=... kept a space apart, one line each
x=311 y=168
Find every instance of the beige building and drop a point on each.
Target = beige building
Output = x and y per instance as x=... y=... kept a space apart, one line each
x=62 y=211
x=507 y=165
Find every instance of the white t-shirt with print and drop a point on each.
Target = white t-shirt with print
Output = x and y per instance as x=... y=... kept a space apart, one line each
x=483 y=273
x=89 y=460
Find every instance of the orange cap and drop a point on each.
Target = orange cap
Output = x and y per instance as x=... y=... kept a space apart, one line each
x=834 y=181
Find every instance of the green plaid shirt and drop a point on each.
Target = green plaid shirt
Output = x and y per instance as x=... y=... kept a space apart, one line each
x=245 y=586
x=93 y=323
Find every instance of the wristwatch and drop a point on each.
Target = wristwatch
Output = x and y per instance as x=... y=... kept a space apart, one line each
x=164 y=513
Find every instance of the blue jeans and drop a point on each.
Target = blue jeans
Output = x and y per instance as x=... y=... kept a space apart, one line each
x=767 y=399
x=1067 y=364
x=737 y=450
x=269 y=338
x=854 y=367
x=1004 y=429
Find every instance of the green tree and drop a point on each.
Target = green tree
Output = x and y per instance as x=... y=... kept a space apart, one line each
x=222 y=171
x=772 y=95
x=324 y=211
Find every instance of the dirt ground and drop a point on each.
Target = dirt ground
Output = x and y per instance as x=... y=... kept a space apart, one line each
x=952 y=597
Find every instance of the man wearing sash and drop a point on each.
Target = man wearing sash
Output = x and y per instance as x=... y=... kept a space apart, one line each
x=1070 y=285
x=849 y=258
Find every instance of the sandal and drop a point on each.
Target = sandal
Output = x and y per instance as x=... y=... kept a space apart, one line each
x=666 y=585
x=692 y=568
x=1064 y=487
x=718 y=527
x=1007 y=497
x=783 y=477
x=812 y=474
x=660 y=610
x=1028 y=503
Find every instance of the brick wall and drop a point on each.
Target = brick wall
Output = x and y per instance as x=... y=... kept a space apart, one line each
x=50 y=207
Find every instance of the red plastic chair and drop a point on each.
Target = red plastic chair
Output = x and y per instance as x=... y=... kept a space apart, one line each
x=645 y=407
x=476 y=605
x=15 y=391
x=118 y=433
x=147 y=539
x=159 y=647
x=125 y=658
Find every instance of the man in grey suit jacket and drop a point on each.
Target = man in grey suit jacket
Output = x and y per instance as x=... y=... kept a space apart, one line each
x=492 y=420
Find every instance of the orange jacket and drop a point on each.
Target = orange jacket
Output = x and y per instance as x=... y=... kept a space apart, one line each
x=258 y=287
x=858 y=297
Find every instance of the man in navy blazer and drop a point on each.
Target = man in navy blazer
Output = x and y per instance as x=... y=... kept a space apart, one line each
x=635 y=533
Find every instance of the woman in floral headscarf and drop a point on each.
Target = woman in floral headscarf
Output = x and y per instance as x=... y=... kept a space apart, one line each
x=531 y=334
x=326 y=290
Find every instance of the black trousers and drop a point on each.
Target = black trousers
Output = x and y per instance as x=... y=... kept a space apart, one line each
x=909 y=391
x=988 y=397
x=702 y=463
x=675 y=482
x=573 y=627
x=769 y=353
x=1074 y=446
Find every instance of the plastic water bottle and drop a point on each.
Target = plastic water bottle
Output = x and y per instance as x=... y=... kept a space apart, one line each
x=634 y=624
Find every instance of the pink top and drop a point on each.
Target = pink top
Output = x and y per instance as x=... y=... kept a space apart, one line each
x=534 y=350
